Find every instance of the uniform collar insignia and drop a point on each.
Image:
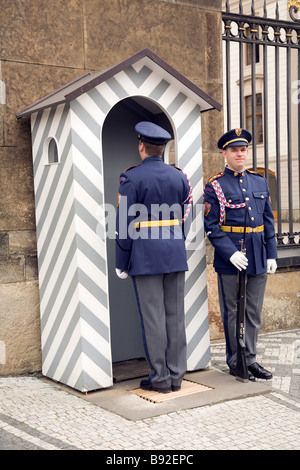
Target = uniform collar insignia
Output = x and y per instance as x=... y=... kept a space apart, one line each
x=234 y=173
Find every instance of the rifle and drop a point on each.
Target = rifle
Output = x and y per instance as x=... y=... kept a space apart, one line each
x=241 y=366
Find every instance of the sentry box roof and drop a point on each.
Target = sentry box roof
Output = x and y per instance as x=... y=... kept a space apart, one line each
x=90 y=80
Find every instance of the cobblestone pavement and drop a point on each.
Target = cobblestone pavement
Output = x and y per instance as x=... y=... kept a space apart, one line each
x=36 y=415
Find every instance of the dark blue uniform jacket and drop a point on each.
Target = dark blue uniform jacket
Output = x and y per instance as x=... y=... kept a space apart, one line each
x=153 y=191
x=238 y=188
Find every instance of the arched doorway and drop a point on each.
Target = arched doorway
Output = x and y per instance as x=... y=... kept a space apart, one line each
x=120 y=151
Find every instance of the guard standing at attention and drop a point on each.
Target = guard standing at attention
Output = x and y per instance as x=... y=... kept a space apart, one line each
x=227 y=196
x=154 y=210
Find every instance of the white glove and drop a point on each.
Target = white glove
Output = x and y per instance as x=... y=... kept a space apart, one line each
x=271 y=266
x=121 y=274
x=239 y=260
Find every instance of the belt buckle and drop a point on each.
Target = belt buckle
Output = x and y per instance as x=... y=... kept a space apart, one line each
x=255 y=230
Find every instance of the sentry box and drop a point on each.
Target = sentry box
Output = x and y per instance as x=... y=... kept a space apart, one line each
x=83 y=137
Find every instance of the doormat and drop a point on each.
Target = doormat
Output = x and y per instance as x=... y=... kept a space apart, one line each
x=187 y=388
x=131 y=369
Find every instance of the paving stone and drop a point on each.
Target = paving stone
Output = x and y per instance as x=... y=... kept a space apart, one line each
x=35 y=415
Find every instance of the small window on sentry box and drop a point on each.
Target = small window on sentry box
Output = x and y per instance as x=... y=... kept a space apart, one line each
x=52 y=151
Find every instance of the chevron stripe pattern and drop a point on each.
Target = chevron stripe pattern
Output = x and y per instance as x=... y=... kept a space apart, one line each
x=187 y=121
x=69 y=197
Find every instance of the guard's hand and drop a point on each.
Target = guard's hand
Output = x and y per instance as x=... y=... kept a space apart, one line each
x=121 y=274
x=239 y=260
x=271 y=266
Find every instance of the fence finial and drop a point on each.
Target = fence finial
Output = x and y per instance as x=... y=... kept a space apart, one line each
x=294 y=7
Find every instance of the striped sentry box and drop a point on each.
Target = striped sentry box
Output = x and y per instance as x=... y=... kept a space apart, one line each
x=72 y=257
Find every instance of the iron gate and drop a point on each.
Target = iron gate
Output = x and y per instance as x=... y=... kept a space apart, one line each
x=262 y=94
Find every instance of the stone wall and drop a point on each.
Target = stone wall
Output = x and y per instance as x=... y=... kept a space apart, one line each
x=44 y=45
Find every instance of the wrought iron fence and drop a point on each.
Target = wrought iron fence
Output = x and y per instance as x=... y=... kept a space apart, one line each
x=262 y=67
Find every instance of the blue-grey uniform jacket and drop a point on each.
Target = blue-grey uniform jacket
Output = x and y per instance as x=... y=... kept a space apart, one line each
x=237 y=189
x=152 y=191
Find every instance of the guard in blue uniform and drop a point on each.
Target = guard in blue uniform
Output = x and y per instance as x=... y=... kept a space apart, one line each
x=227 y=196
x=153 y=216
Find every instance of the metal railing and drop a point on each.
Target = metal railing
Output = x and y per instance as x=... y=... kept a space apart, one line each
x=254 y=36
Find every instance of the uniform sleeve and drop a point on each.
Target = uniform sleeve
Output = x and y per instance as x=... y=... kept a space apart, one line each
x=269 y=229
x=126 y=199
x=220 y=241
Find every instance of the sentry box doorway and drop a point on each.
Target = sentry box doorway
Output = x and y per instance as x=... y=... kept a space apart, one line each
x=82 y=139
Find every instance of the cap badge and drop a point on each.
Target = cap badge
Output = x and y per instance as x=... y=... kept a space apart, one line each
x=238 y=132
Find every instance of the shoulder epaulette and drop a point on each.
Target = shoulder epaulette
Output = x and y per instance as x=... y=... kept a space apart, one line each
x=255 y=173
x=130 y=168
x=214 y=177
x=123 y=177
x=177 y=167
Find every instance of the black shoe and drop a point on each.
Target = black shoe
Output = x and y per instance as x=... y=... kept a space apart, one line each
x=259 y=372
x=250 y=376
x=147 y=385
x=175 y=388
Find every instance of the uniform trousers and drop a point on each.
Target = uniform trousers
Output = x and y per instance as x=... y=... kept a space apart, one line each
x=160 y=300
x=255 y=290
